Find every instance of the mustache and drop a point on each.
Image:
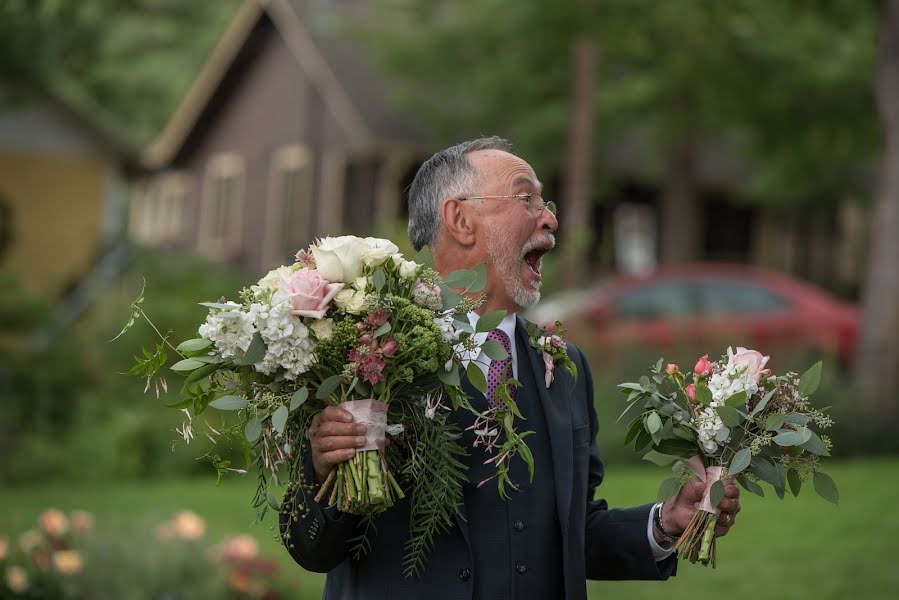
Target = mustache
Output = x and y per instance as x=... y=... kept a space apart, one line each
x=545 y=242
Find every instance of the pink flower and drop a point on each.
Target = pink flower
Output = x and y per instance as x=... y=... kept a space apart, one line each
x=671 y=369
x=378 y=317
x=54 y=523
x=309 y=293
x=388 y=347
x=690 y=390
x=754 y=361
x=550 y=366
x=703 y=367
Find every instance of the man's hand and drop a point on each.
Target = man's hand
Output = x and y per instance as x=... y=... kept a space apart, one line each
x=334 y=438
x=677 y=511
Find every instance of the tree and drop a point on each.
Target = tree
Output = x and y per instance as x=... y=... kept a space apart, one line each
x=878 y=351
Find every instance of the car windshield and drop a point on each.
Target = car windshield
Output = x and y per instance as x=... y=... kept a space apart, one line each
x=732 y=296
x=667 y=300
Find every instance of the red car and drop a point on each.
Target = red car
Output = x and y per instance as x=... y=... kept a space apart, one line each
x=706 y=307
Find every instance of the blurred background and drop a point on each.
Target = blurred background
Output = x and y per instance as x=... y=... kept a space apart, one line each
x=726 y=173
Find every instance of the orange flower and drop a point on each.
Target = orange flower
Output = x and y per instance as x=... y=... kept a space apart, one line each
x=54 y=523
x=188 y=526
x=16 y=579
x=68 y=562
x=4 y=547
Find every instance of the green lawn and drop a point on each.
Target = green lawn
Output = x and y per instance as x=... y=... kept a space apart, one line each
x=797 y=548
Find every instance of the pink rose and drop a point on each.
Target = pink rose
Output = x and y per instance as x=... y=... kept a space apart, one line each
x=703 y=367
x=690 y=390
x=550 y=366
x=671 y=369
x=389 y=347
x=754 y=361
x=309 y=293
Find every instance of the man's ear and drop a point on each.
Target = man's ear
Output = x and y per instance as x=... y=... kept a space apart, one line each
x=458 y=221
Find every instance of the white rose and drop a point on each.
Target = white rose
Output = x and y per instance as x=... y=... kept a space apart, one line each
x=361 y=283
x=379 y=250
x=343 y=297
x=323 y=328
x=271 y=279
x=397 y=259
x=408 y=269
x=356 y=305
x=338 y=259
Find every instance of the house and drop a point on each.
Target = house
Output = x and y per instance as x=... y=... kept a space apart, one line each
x=63 y=192
x=285 y=135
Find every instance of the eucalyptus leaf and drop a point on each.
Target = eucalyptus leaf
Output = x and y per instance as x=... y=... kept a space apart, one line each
x=228 y=403
x=463 y=326
x=256 y=352
x=703 y=394
x=448 y=298
x=424 y=258
x=187 y=365
x=279 y=419
x=385 y=328
x=378 y=279
x=450 y=377
x=774 y=421
x=476 y=377
x=668 y=488
x=751 y=486
x=194 y=345
x=716 y=494
x=635 y=427
x=810 y=380
x=815 y=445
x=460 y=279
x=730 y=416
x=653 y=422
x=298 y=398
x=659 y=459
x=327 y=387
x=253 y=430
x=795 y=481
x=722 y=434
x=490 y=321
x=826 y=487
x=788 y=437
x=765 y=470
x=796 y=419
x=494 y=350
x=738 y=400
x=764 y=402
x=480 y=279
x=739 y=462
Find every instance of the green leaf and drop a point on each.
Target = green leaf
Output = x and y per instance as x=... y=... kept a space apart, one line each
x=378 y=279
x=635 y=427
x=653 y=422
x=381 y=330
x=761 y=405
x=815 y=445
x=658 y=458
x=448 y=298
x=279 y=419
x=187 y=365
x=256 y=352
x=424 y=258
x=480 y=279
x=461 y=278
x=750 y=486
x=716 y=494
x=631 y=386
x=327 y=387
x=450 y=377
x=794 y=480
x=765 y=470
x=809 y=380
x=722 y=434
x=253 y=430
x=528 y=457
x=796 y=419
x=228 y=403
x=271 y=501
x=738 y=400
x=676 y=447
x=194 y=345
x=740 y=461
x=643 y=438
x=774 y=421
x=703 y=394
x=792 y=438
x=826 y=487
x=668 y=488
x=298 y=398
x=476 y=377
x=494 y=350
x=204 y=371
x=730 y=416
x=490 y=321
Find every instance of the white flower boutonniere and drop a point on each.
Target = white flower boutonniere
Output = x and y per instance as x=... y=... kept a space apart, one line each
x=553 y=349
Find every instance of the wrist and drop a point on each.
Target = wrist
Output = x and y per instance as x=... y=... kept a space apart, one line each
x=663 y=530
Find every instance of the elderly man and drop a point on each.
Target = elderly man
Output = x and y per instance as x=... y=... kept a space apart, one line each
x=477 y=203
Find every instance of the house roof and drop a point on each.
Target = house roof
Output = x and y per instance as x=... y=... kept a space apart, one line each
x=348 y=84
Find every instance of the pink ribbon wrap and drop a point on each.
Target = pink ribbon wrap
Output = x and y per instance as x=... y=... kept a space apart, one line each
x=373 y=413
x=707 y=475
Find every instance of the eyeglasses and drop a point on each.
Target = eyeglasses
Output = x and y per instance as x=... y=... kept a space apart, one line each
x=534 y=201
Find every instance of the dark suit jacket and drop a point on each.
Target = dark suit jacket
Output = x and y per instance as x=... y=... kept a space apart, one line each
x=597 y=542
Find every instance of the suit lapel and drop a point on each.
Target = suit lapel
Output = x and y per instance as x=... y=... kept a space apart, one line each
x=557 y=412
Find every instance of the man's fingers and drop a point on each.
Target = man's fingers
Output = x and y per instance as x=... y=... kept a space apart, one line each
x=325 y=444
x=335 y=413
x=335 y=457
x=334 y=428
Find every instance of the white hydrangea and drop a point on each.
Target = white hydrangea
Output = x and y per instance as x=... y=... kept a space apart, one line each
x=732 y=380
x=230 y=329
x=287 y=341
x=708 y=423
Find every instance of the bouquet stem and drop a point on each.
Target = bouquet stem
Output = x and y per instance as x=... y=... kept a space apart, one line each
x=361 y=485
x=698 y=541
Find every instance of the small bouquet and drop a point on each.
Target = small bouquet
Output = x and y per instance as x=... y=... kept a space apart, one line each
x=351 y=323
x=729 y=419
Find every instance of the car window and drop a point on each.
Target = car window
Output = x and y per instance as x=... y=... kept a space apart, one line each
x=732 y=296
x=656 y=301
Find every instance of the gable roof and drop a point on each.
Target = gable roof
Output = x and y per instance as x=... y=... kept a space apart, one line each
x=339 y=73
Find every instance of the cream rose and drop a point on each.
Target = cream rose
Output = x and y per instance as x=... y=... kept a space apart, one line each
x=338 y=259
x=308 y=293
x=323 y=329
x=753 y=360
x=408 y=269
x=343 y=297
x=379 y=250
x=356 y=305
x=271 y=279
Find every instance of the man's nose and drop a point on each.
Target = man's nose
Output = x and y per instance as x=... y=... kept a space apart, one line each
x=547 y=221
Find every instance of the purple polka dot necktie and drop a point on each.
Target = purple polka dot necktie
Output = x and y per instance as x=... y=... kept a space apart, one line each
x=497 y=369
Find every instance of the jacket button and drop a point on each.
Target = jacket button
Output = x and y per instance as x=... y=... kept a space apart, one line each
x=521 y=568
x=518 y=525
x=464 y=574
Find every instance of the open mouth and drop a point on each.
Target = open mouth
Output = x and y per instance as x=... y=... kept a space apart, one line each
x=534 y=259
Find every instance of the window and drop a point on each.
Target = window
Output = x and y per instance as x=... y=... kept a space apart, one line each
x=289 y=223
x=222 y=210
x=731 y=296
x=656 y=301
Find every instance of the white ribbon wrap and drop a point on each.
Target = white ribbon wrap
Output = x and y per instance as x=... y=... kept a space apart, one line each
x=707 y=475
x=373 y=413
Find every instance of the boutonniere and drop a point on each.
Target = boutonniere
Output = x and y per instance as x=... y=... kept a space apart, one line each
x=550 y=344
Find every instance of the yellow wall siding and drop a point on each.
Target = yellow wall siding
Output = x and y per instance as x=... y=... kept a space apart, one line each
x=56 y=210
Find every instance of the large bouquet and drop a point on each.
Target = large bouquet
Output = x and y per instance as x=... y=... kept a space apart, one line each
x=351 y=323
x=729 y=419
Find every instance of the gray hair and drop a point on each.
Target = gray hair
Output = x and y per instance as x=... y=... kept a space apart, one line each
x=445 y=175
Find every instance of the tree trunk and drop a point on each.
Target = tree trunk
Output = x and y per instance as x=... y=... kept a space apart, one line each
x=576 y=184
x=679 y=215
x=877 y=359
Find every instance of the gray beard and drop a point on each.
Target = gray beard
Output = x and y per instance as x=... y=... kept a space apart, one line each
x=507 y=262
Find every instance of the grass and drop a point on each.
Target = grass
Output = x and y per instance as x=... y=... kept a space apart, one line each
x=797 y=548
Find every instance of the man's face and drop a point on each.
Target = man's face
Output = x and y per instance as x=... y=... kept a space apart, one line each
x=513 y=237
